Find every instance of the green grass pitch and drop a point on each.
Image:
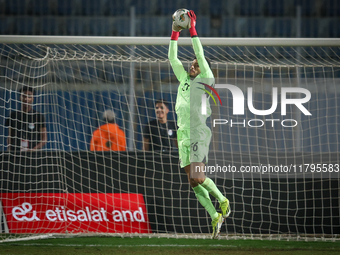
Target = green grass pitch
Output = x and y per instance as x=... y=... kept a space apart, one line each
x=136 y=245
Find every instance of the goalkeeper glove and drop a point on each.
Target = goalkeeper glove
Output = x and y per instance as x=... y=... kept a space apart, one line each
x=192 y=24
x=176 y=28
x=175 y=31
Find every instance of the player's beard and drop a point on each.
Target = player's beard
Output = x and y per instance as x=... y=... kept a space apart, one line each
x=193 y=74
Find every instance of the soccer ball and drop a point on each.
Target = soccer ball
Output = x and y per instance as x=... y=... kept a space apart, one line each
x=181 y=18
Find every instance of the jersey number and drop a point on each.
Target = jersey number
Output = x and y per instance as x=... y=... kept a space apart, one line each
x=185 y=86
x=194 y=146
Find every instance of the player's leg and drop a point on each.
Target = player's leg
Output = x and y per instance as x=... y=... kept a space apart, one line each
x=184 y=148
x=201 y=193
x=211 y=187
x=201 y=151
x=203 y=197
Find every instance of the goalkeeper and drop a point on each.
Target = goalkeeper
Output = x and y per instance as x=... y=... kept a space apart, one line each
x=193 y=134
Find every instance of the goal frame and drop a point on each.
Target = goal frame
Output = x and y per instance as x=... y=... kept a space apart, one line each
x=185 y=41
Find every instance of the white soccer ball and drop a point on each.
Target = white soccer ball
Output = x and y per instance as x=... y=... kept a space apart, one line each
x=181 y=18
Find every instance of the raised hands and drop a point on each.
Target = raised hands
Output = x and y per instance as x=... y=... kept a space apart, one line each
x=192 y=17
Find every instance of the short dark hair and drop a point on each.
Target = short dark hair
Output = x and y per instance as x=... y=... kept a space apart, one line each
x=162 y=101
x=26 y=88
x=208 y=61
x=109 y=116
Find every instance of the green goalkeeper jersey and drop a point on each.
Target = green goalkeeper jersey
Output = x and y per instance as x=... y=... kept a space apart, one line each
x=190 y=91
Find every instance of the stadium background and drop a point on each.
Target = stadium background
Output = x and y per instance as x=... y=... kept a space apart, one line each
x=230 y=18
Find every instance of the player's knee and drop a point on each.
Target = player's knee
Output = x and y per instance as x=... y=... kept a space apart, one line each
x=196 y=181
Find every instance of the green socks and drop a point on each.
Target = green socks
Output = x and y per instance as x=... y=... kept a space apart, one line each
x=203 y=197
x=202 y=193
x=210 y=186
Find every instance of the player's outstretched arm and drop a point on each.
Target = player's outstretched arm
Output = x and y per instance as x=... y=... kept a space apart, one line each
x=176 y=64
x=198 y=49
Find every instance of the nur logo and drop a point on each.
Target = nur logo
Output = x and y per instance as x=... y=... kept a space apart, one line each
x=238 y=99
x=204 y=98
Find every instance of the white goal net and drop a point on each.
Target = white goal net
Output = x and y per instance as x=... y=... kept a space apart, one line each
x=274 y=151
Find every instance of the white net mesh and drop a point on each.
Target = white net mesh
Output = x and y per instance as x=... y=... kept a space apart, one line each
x=66 y=188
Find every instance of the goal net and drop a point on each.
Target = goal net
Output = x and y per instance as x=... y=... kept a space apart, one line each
x=274 y=151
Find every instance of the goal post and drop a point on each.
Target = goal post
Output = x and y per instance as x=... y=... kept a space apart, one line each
x=130 y=40
x=274 y=150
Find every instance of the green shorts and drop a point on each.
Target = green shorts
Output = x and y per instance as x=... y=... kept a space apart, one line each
x=193 y=145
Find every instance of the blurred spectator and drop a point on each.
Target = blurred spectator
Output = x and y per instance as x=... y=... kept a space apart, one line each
x=27 y=128
x=160 y=134
x=108 y=137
